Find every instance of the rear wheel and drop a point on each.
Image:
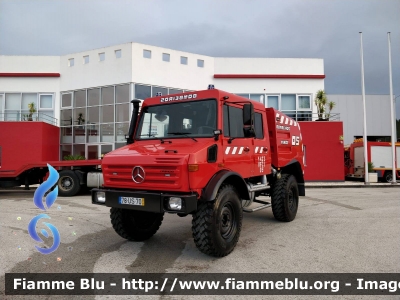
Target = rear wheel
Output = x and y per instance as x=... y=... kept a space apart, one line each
x=285 y=198
x=216 y=225
x=68 y=183
x=135 y=225
x=388 y=177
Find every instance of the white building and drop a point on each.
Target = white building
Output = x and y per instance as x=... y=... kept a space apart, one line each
x=88 y=93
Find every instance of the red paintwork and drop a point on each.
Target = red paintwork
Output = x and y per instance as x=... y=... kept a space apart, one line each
x=276 y=76
x=150 y=154
x=27 y=145
x=349 y=169
x=324 y=150
x=29 y=74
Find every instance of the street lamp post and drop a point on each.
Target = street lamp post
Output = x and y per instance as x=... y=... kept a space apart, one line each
x=392 y=114
x=366 y=175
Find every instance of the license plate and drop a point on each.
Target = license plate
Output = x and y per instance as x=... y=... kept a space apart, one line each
x=131 y=201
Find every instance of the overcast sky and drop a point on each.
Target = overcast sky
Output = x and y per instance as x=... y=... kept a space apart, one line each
x=325 y=29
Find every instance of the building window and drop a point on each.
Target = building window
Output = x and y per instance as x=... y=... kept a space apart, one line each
x=200 y=63
x=102 y=56
x=174 y=91
x=46 y=102
x=257 y=97
x=118 y=53
x=86 y=59
x=122 y=93
x=146 y=53
x=184 y=60
x=71 y=62
x=142 y=91
x=166 y=57
x=244 y=95
x=157 y=89
x=273 y=101
x=66 y=100
x=304 y=102
x=80 y=98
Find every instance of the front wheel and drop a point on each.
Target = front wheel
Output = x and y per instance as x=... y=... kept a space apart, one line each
x=216 y=225
x=285 y=198
x=135 y=225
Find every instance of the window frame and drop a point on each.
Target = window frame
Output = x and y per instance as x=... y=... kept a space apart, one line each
x=298 y=102
x=240 y=107
x=202 y=61
x=86 y=59
x=52 y=101
x=71 y=62
x=255 y=126
x=118 y=53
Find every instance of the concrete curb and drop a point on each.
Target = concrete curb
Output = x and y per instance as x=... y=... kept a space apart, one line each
x=350 y=186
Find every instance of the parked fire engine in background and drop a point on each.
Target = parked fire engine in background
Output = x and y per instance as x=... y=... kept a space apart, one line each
x=209 y=154
x=379 y=154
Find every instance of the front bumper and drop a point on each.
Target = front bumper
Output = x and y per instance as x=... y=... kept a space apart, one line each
x=153 y=202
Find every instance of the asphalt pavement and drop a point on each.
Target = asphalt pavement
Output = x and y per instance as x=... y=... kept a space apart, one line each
x=336 y=231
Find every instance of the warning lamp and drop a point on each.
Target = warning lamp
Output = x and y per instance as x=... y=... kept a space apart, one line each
x=211 y=87
x=158 y=94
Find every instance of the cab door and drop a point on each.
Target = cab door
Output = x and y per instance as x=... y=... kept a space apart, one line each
x=238 y=149
x=261 y=153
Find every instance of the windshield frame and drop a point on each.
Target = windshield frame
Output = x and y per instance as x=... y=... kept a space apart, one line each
x=189 y=136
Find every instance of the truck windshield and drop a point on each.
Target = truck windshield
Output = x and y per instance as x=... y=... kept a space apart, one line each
x=178 y=120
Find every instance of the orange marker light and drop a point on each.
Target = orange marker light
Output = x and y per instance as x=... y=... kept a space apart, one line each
x=193 y=168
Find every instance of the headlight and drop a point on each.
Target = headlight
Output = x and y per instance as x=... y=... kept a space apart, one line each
x=175 y=203
x=101 y=197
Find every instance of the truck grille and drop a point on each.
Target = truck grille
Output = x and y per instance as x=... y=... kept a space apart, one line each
x=165 y=172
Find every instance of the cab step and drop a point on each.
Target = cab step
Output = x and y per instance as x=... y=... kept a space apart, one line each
x=264 y=205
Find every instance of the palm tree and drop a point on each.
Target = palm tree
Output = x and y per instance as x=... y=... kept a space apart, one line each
x=320 y=102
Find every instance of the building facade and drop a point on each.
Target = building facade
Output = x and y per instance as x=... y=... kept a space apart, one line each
x=87 y=94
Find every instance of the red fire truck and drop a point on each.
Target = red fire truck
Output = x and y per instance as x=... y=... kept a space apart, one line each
x=206 y=153
x=379 y=154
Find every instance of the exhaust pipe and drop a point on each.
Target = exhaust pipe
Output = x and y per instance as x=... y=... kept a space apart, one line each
x=135 y=114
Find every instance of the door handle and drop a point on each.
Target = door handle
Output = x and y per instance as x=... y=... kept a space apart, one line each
x=247 y=149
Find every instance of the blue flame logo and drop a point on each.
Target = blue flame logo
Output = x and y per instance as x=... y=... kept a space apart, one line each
x=38 y=201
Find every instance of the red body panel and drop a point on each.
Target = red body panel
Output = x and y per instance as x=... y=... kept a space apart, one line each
x=323 y=150
x=168 y=171
x=26 y=145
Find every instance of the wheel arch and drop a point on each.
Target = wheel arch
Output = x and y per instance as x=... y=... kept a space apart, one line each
x=294 y=168
x=225 y=176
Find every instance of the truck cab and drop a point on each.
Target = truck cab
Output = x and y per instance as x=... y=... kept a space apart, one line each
x=208 y=154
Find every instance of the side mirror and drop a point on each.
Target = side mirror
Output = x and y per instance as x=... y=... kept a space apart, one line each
x=248 y=120
x=217 y=133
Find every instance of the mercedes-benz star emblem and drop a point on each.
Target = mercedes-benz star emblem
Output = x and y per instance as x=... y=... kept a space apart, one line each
x=138 y=174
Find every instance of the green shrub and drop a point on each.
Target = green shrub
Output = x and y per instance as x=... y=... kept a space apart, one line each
x=74 y=157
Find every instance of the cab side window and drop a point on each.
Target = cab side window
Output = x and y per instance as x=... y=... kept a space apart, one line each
x=258 y=126
x=233 y=122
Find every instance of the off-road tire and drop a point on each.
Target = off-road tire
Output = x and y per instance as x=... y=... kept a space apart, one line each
x=68 y=183
x=216 y=225
x=135 y=225
x=285 y=198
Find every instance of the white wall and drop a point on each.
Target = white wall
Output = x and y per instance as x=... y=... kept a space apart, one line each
x=299 y=66
x=351 y=113
x=96 y=73
x=31 y=64
x=171 y=74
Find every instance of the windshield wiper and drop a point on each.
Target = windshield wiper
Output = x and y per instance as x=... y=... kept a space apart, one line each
x=153 y=135
x=183 y=133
